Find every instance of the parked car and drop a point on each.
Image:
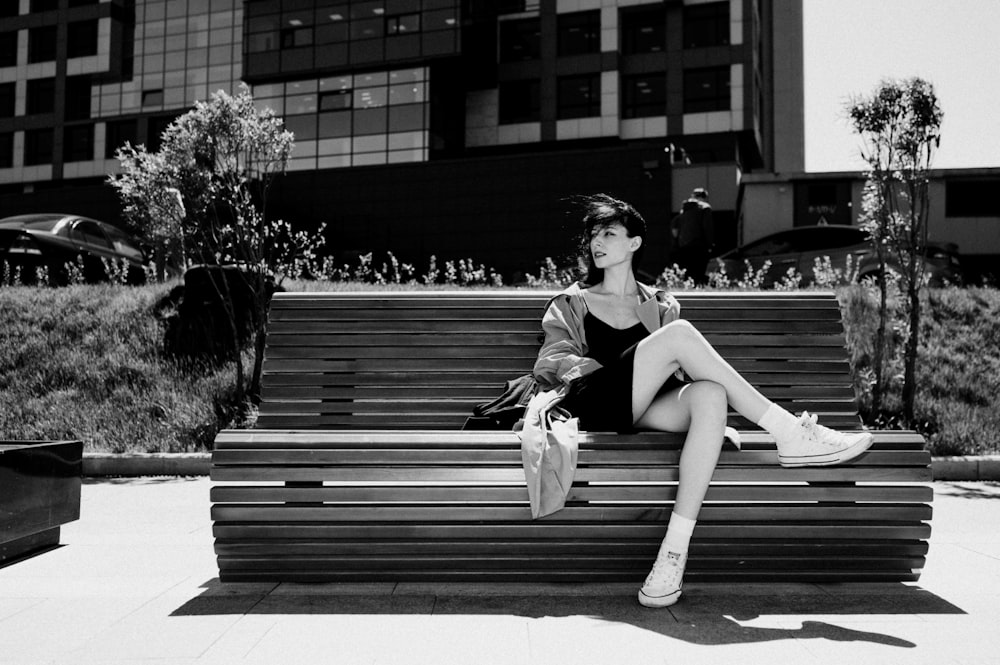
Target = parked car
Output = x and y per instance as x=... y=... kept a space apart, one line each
x=800 y=247
x=53 y=240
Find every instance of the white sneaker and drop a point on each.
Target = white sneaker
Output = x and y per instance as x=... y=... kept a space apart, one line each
x=808 y=443
x=663 y=584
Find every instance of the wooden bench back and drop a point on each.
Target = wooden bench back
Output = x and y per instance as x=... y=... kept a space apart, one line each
x=422 y=360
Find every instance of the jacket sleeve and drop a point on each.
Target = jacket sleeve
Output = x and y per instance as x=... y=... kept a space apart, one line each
x=561 y=358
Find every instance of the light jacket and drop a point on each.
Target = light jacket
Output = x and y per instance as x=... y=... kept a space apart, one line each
x=562 y=356
x=549 y=448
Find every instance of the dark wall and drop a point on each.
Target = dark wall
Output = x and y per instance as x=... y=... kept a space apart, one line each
x=503 y=211
x=89 y=198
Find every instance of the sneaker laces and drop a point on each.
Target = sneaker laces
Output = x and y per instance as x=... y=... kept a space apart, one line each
x=667 y=571
x=817 y=433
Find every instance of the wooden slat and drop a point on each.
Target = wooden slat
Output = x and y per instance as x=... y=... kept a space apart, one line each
x=328 y=575
x=649 y=493
x=609 y=547
x=554 y=531
x=501 y=458
x=844 y=473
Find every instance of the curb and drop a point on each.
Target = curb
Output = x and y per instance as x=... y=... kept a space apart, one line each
x=970 y=468
x=146 y=464
x=986 y=467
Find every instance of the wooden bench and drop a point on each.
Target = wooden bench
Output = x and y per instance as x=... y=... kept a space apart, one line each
x=39 y=491
x=359 y=470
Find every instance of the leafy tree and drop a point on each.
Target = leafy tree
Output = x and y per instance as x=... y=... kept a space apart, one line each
x=201 y=199
x=900 y=128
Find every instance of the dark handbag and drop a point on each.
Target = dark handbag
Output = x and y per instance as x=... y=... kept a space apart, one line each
x=504 y=411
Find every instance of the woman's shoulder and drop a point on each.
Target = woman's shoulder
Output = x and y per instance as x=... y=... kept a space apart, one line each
x=649 y=292
x=569 y=299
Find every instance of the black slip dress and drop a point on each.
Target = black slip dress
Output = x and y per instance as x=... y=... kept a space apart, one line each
x=602 y=400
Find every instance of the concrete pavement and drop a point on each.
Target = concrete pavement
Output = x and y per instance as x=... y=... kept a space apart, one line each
x=135 y=582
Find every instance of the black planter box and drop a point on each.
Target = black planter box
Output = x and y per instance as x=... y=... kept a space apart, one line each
x=39 y=491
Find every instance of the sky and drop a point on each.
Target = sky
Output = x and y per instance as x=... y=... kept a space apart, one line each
x=851 y=45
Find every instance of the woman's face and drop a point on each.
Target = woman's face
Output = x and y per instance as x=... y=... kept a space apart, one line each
x=610 y=245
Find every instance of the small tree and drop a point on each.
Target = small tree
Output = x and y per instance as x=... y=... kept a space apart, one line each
x=900 y=126
x=202 y=197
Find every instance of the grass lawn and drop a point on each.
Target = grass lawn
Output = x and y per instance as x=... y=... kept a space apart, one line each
x=85 y=362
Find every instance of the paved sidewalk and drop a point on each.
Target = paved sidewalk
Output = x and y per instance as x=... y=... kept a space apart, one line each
x=135 y=582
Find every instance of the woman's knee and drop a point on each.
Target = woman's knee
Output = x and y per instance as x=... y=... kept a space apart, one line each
x=707 y=399
x=675 y=333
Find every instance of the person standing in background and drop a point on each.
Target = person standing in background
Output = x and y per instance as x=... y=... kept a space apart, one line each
x=693 y=235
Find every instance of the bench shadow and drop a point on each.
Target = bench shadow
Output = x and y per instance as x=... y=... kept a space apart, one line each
x=978 y=490
x=707 y=615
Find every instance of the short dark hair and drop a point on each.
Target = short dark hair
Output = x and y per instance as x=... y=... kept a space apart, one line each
x=598 y=211
x=700 y=193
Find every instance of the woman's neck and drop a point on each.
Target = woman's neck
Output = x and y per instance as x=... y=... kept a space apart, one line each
x=619 y=282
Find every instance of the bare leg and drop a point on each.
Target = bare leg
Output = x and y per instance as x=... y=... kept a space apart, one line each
x=700 y=408
x=680 y=345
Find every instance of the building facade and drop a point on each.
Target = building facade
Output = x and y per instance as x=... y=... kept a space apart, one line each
x=447 y=127
x=964 y=209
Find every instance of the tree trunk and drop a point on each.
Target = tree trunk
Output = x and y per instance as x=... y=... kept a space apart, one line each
x=910 y=360
x=878 y=360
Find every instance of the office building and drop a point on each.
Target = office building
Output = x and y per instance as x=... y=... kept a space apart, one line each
x=447 y=127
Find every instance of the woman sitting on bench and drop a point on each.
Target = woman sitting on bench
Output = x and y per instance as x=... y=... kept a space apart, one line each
x=631 y=363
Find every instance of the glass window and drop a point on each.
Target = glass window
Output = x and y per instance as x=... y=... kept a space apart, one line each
x=335 y=123
x=41 y=97
x=367 y=29
x=644 y=95
x=441 y=20
x=78 y=143
x=6 y=150
x=117 y=133
x=37 y=147
x=370 y=121
x=42 y=5
x=520 y=40
x=578 y=96
x=579 y=33
x=81 y=39
x=371 y=97
x=331 y=33
x=335 y=100
x=406 y=118
x=300 y=104
x=8 y=96
x=520 y=101
x=972 y=198
x=643 y=30
x=402 y=24
x=295 y=37
x=8 y=48
x=152 y=97
x=91 y=233
x=78 y=95
x=9 y=9
x=370 y=80
x=262 y=41
x=406 y=93
x=42 y=44
x=176 y=43
x=706 y=25
x=706 y=89
x=303 y=126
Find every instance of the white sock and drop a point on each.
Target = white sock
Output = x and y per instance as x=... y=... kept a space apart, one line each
x=678 y=535
x=776 y=420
